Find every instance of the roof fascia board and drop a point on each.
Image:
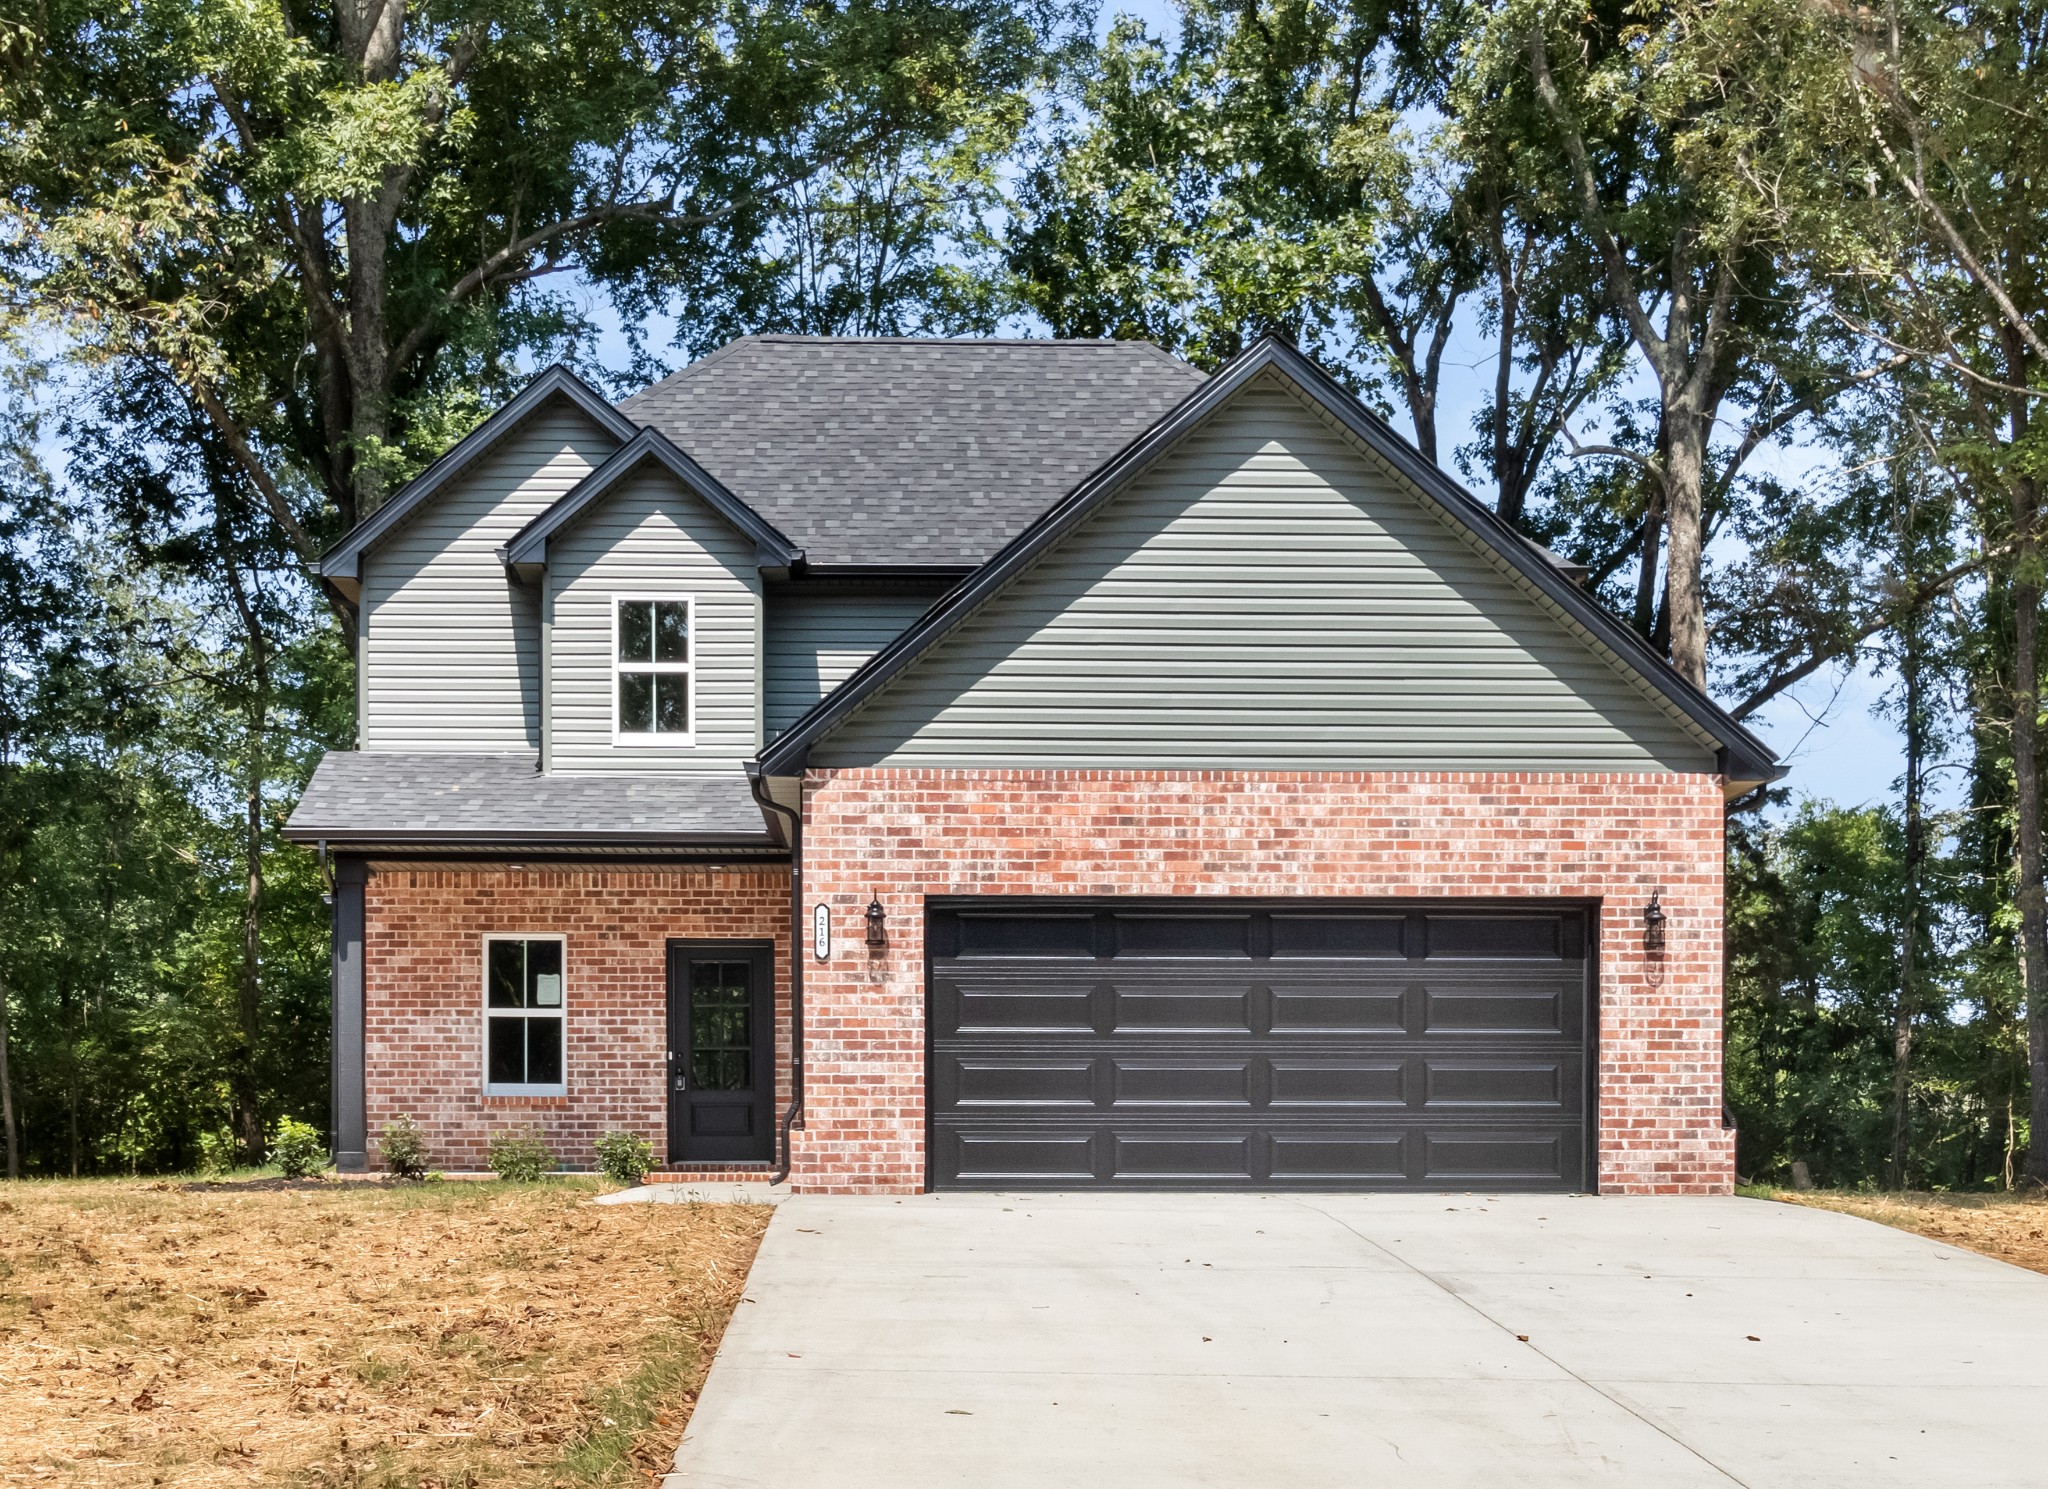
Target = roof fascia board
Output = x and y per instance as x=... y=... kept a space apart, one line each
x=530 y=546
x=344 y=559
x=787 y=755
x=516 y=838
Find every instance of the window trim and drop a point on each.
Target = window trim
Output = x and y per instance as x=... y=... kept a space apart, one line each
x=687 y=668
x=561 y=1015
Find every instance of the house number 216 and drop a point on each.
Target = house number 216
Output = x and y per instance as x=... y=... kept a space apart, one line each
x=821 y=933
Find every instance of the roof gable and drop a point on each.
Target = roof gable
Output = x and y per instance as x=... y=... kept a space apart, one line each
x=773 y=550
x=1600 y=648
x=343 y=561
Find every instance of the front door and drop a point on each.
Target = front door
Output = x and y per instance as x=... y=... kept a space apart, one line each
x=721 y=1055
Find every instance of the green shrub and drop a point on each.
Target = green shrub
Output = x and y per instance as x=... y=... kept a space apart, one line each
x=521 y=1156
x=624 y=1158
x=296 y=1148
x=404 y=1148
x=218 y=1153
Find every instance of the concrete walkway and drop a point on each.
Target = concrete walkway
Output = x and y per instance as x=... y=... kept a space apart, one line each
x=1295 y=1342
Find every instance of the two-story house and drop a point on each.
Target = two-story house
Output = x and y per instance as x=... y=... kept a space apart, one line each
x=1013 y=763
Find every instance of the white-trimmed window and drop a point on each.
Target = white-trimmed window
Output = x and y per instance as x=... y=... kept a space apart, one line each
x=524 y=999
x=653 y=692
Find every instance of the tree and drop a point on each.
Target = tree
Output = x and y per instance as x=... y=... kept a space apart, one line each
x=1931 y=256
x=334 y=228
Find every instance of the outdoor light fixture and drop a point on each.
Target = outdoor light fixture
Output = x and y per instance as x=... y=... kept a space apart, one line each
x=1653 y=922
x=876 y=921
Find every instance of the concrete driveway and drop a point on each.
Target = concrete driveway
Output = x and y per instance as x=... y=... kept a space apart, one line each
x=1129 y=1341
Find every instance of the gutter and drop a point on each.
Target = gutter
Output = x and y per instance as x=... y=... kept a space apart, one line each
x=793 y=1116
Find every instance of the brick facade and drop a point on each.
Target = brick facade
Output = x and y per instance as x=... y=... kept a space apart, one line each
x=423 y=992
x=906 y=834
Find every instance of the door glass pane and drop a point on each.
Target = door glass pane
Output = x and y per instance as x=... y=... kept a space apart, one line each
x=672 y=703
x=721 y=1025
x=507 y=980
x=721 y=1070
x=636 y=631
x=636 y=702
x=672 y=632
x=507 y=1063
x=544 y=1052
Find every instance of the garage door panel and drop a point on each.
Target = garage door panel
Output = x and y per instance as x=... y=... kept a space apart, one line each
x=1181 y=1083
x=1253 y=1047
x=978 y=936
x=983 y=1006
x=1320 y=1006
x=1364 y=1082
x=1380 y=937
x=999 y=1082
x=1499 y=1083
x=1181 y=1156
x=1536 y=1011
x=996 y=1158
x=1189 y=1011
x=1340 y=1157
x=1510 y=937
x=1497 y=1156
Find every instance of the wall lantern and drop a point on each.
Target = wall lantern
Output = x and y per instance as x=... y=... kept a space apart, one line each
x=1653 y=922
x=876 y=921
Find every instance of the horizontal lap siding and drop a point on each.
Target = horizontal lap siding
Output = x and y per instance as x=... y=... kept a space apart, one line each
x=1266 y=597
x=651 y=537
x=817 y=641
x=451 y=650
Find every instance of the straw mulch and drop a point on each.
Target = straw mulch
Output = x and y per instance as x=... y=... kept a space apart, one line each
x=2011 y=1227
x=427 y=1336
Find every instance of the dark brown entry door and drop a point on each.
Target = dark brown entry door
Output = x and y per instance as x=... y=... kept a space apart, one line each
x=1213 y=1044
x=721 y=1055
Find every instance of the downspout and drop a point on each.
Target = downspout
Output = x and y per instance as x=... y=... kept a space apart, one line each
x=793 y=1116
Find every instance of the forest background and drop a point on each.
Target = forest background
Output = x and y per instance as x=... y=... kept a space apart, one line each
x=1738 y=304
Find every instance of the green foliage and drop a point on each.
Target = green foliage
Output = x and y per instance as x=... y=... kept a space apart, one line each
x=296 y=1148
x=624 y=1157
x=523 y=1157
x=402 y=1146
x=218 y=1153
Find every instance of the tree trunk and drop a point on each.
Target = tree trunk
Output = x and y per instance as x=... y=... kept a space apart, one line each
x=248 y=1098
x=1646 y=574
x=7 y=1093
x=2026 y=768
x=1685 y=461
x=1907 y=1007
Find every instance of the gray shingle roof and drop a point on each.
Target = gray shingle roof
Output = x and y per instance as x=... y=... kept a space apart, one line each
x=483 y=799
x=909 y=452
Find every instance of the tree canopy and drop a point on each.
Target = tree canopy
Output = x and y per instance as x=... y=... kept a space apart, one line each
x=1737 y=304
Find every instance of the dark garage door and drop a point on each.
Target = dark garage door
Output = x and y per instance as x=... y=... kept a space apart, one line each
x=1229 y=1044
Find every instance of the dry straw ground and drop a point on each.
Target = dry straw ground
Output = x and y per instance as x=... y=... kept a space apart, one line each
x=426 y=1336
x=2011 y=1227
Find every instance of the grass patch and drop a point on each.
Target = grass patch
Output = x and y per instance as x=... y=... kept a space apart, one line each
x=2010 y=1227
x=353 y=1335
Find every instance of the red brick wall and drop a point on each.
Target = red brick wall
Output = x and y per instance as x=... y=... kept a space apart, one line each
x=906 y=834
x=423 y=992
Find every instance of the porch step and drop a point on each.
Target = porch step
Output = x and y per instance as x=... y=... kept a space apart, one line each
x=734 y=1175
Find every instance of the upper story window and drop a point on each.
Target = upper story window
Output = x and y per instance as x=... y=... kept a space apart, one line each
x=651 y=662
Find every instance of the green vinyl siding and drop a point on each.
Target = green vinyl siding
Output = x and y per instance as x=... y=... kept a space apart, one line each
x=450 y=653
x=650 y=537
x=1268 y=596
x=818 y=637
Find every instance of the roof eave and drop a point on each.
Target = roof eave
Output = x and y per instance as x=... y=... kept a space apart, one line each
x=529 y=547
x=342 y=562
